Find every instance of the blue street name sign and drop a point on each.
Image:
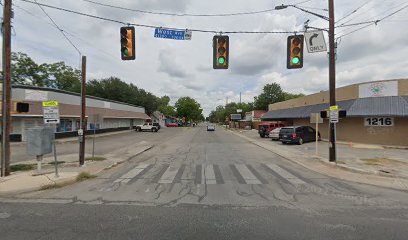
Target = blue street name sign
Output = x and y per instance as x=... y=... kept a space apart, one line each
x=172 y=34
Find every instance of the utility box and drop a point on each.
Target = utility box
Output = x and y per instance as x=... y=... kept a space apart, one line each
x=39 y=140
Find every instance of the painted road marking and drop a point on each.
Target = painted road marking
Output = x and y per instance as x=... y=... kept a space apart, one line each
x=285 y=174
x=132 y=173
x=209 y=175
x=247 y=175
x=169 y=175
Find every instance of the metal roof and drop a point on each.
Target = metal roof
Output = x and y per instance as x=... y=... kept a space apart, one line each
x=395 y=106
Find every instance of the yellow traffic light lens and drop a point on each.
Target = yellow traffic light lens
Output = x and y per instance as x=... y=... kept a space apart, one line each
x=221 y=60
x=221 y=50
x=296 y=50
x=295 y=60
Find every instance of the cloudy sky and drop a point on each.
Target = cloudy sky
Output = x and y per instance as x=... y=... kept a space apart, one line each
x=184 y=68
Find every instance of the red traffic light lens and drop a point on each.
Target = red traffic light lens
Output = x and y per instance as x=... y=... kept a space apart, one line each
x=296 y=41
x=221 y=41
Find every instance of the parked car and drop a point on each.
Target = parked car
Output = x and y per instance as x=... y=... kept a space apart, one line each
x=171 y=125
x=147 y=127
x=266 y=127
x=157 y=125
x=274 y=134
x=297 y=134
x=210 y=127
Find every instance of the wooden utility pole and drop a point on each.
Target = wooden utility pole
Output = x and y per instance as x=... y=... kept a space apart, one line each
x=6 y=98
x=82 y=122
x=332 y=80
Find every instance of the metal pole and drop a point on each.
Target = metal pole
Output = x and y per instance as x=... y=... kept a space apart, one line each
x=332 y=80
x=93 y=139
x=317 y=133
x=6 y=100
x=55 y=159
x=82 y=119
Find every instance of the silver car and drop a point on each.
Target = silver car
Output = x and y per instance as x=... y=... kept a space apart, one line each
x=274 y=134
x=210 y=128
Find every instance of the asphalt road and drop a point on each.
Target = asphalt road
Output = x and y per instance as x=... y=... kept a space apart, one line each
x=207 y=185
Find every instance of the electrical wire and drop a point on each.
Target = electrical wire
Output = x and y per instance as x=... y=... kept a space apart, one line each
x=70 y=33
x=154 y=26
x=374 y=23
x=179 y=14
x=56 y=25
x=354 y=11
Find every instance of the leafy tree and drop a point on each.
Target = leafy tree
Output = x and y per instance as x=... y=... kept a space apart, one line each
x=272 y=93
x=189 y=108
x=289 y=96
x=167 y=110
x=25 y=71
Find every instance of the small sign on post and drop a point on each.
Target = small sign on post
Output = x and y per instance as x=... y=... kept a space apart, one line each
x=51 y=116
x=51 y=112
x=334 y=116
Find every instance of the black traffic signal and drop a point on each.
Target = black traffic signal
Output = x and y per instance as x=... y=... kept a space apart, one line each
x=295 y=52
x=127 y=43
x=220 y=52
x=325 y=114
x=22 y=107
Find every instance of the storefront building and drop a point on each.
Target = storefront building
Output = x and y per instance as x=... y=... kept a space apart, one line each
x=101 y=114
x=377 y=112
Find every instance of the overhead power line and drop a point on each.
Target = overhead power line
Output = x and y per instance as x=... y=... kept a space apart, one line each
x=354 y=11
x=180 y=14
x=374 y=23
x=56 y=25
x=154 y=26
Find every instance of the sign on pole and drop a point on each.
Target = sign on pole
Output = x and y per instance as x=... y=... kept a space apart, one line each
x=172 y=34
x=51 y=112
x=334 y=116
x=315 y=41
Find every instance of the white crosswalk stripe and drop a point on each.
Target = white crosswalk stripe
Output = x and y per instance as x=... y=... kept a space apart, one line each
x=209 y=175
x=247 y=175
x=132 y=173
x=169 y=175
x=286 y=175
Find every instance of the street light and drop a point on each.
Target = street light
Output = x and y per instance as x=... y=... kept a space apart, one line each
x=332 y=68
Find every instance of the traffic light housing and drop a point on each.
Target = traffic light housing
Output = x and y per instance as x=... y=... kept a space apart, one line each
x=295 y=52
x=220 y=52
x=127 y=43
x=22 y=107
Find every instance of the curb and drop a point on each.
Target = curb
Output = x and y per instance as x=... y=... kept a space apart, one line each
x=326 y=163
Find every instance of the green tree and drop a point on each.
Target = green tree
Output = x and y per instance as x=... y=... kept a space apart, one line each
x=272 y=93
x=189 y=108
x=289 y=96
x=65 y=77
x=167 y=110
x=25 y=71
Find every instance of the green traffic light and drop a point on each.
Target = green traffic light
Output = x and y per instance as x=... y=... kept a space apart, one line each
x=295 y=60
x=221 y=60
x=125 y=51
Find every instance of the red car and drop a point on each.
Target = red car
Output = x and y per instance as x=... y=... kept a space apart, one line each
x=266 y=127
x=171 y=125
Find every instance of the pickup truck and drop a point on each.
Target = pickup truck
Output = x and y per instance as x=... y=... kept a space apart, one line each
x=147 y=127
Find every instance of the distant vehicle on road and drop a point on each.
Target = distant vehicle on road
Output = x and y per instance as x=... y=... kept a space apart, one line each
x=210 y=127
x=147 y=127
x=274 y=134
x=265 y=128
x=297 y=134
x=172 y=125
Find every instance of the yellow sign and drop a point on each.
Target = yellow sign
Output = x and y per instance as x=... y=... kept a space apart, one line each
x=50 y=104
x=332 y=108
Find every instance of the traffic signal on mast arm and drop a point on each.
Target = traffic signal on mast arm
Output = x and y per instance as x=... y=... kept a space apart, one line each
x=127 y=43
x=295 y=52
x=220 y=52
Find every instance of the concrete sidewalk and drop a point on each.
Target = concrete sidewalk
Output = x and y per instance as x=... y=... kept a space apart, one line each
x=366 y=166
x=20 y=182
